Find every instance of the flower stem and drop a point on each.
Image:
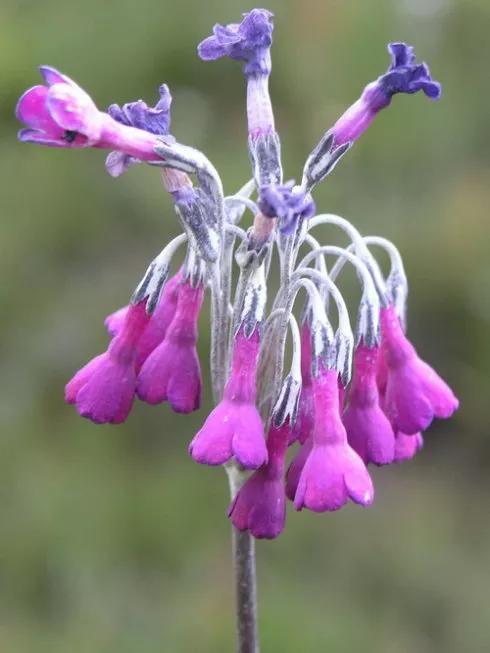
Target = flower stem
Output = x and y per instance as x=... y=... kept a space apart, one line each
x=246 y=591
x=243 y=554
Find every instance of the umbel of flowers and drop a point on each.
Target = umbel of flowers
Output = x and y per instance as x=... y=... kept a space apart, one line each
x=350 y=398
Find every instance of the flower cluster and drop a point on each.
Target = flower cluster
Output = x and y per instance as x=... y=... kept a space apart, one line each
x=351 y=398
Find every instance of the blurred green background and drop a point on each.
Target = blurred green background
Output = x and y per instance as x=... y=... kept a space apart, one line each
x=111 y=539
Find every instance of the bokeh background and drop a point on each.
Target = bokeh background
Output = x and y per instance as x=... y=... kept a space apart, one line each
x=111 y=539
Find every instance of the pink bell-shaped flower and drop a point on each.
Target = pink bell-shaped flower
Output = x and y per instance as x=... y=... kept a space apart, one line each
x=260 y=504
x=333 y=472
x=172 y=372
x=415 y=393
x=368 y=429
x=103 y=390
x=234 y=427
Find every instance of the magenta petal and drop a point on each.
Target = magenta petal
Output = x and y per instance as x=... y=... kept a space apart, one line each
x=184 y=385
x=406 y=404
x=232 y=429
x=31 y=110
x=321 y=485
x=249 y=447
x=212 y=444
x=53 y=76
x=114 y=322
x=406 y=446
x=155 y=373
x=357 y=480
x=370 y=434
x=81 y=378
x=260 y=506
x=331 y=475
x=70 y=107
x=107 y=396
x=442 y=397
x=171 y=372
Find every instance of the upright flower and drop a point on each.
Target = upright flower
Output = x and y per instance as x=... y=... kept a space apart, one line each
x=368 y=429
x=103 y=390
x=234 y=428
x=248 y=41
x=172 y=372
x=333 y=472
x=404 y=75
x=61 y=114
x=415 y=393
x=260 y=505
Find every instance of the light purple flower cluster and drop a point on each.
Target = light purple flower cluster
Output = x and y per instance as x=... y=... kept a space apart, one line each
x=339 y=425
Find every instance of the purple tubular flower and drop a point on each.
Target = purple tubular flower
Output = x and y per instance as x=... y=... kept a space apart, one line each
x=247 y=41
x=288 y=203
x=406 y=446
x=61 y=114
x=305 y=420
x=333 y=472
x=368 y=429
x=103 y=390
x=415 y=393
x=172 y=372
x=260 y=504
x=154 y=120
x=234 y=427
x=403 y=76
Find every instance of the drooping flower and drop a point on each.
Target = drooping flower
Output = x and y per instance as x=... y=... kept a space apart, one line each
x=234 y=428
x=61 y=114
x=155 y=120
x=287 y=202
x=415 y=393
x=156 y=328
x=368 y=429
x=305 y=420
x=404 y=75
x=172 y=372
x=260 y=505
x=247 y=41
x=103 y=390
x=333 y=472
x=406 y=446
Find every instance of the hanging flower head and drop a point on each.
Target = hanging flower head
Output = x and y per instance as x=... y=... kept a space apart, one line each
x=341 y=425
